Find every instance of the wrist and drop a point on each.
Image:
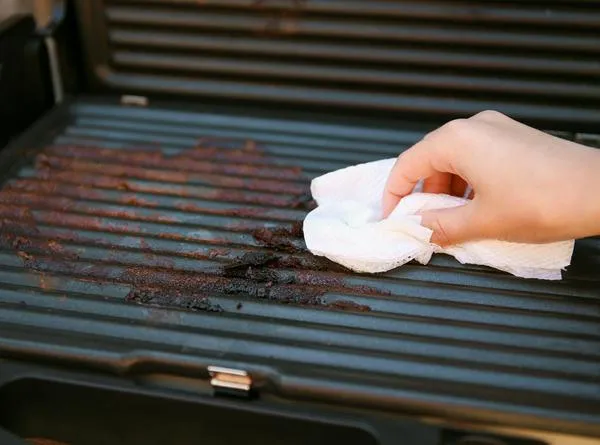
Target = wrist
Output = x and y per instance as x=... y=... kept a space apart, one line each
x=588 y=214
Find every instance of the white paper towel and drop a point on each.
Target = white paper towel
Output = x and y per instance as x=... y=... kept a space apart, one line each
x=346 y=227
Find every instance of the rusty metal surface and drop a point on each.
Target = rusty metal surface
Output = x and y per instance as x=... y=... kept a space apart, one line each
x=142 y=237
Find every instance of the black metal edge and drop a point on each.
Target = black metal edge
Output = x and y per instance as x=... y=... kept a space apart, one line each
x=303 y=390
x=24 y=147
x=384 y=430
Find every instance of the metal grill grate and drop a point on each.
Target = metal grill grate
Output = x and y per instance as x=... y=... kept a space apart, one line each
x=128 y=212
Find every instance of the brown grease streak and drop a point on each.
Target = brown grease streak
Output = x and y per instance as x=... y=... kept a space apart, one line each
x=68 y=178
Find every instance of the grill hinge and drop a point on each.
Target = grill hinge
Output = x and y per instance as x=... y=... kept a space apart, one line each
x=230 y=381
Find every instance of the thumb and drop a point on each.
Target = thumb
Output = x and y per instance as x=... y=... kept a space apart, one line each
x=450 y=226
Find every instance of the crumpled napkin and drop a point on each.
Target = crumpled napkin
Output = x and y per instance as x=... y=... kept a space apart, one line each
x=347 y=228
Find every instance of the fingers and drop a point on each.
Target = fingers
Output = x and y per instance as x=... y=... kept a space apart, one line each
x=390 y=201
x=438 y=183
x=402 y=178
x=451 y=226
x=424 y=160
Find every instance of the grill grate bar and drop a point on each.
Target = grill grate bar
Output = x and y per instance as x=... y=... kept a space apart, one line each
x=286 y=152
x=98 y=186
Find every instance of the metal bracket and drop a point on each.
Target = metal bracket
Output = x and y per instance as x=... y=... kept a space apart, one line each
x=49 y=14
x=55 y=75
x=231 y=381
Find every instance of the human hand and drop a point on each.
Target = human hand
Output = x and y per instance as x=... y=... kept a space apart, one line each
x=528 y=186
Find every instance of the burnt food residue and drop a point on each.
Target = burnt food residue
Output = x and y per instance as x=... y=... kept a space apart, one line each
x=218 y=222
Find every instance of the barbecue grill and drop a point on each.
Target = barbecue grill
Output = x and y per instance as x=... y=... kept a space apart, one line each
x=154 y=285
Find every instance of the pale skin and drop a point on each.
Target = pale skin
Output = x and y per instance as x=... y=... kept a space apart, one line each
x=528 y=186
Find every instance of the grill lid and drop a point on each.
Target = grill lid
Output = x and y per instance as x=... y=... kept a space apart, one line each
x=536 y=61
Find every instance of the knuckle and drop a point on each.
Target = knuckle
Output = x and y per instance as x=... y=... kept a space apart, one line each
x=458 y=126
x=402 y=155
x=490 y=114
x=453 y=128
